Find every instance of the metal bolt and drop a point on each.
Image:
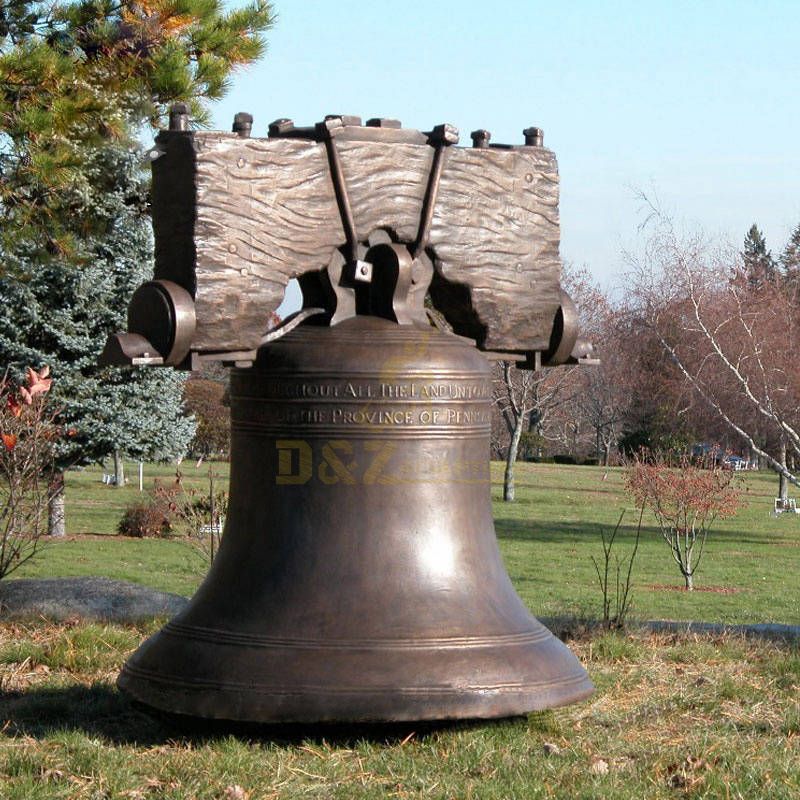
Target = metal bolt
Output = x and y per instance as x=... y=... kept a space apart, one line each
x=383 y=122
x=480 y=138
x=243 y=124
x=179 y=117
x=282 y=125
x=344 y=119
x=444 y=134
x=534 y=137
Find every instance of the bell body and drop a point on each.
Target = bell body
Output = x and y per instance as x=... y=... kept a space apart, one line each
x=359 y=577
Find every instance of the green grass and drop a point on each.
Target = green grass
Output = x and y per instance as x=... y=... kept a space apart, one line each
x=95 y=508
x=673 y=717
x=547 y=537
x=751 y=563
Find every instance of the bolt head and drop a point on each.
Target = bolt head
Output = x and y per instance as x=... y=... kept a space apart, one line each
x=280 y=126
x=534 y=137
x=383 y=122
x=444 y=134
x=480 y=138
x=179 y=117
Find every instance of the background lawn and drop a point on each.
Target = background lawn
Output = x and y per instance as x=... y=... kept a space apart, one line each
x=750 y=572
x=673 y=716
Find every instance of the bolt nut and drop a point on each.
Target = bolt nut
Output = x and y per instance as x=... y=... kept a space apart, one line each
x=534 y=137
x=179 y=117
x=243 y=124
x=480 y=138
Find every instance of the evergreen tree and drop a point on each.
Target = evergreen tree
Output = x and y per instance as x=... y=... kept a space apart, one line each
x=77 y=74
x=59 y=313
x=759 y=266
x=790 y=260
x=78 y=80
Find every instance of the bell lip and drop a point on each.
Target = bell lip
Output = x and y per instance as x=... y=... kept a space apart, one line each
x=460 y=704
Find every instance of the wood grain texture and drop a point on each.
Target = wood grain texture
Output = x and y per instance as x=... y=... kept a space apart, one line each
x=243 y=216
x=495 y=228
x=266 y=212
x=386 y=185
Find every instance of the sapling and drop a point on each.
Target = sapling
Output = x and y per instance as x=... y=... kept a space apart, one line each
x=686 y=497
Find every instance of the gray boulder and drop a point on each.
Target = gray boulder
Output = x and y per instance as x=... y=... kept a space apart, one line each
x=94 y=599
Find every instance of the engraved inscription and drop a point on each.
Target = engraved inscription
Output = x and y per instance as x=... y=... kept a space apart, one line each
x=406 y=390
x=386 y=417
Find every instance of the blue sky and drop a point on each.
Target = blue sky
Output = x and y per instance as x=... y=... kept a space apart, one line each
x=697 y=102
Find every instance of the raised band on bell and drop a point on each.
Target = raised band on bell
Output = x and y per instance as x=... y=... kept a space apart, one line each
x=359 y=577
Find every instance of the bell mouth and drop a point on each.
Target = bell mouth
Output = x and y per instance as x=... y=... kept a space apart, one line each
x=307 y=681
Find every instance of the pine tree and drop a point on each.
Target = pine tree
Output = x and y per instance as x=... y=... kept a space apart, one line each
x=78 y=80
x=78 y=74
x=759 y=265
x=790 y=261
x=59 y=314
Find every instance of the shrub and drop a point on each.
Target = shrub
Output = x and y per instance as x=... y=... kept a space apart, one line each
x=564 y=459
x=142 y=519
x=28 y=440
x=154 y=515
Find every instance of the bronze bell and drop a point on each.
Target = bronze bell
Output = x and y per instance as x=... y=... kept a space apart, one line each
x=359 y=577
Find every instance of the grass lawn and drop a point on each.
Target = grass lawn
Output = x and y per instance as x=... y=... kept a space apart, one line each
x=673 y=717
x=750 y=572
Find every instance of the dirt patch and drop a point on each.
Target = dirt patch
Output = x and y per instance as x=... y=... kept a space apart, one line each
x=662 y=587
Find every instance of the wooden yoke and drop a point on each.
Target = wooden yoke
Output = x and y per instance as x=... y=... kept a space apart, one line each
x=235 y=218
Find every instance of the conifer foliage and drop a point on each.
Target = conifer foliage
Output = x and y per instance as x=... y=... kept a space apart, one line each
x=759 y=265
x=76 y=75
x=80 y=81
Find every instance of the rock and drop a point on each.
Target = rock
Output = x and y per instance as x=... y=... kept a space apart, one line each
x=551 y=749
x=90 y=599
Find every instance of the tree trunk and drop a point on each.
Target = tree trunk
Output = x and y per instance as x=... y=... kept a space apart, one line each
x=511 y=459
x=783 y=483
x=119 y=470
x=689 y=581
x=55 y=506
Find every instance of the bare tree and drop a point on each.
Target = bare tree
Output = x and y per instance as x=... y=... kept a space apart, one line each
x=525 y=398
x=734 y=342
x=686 y=499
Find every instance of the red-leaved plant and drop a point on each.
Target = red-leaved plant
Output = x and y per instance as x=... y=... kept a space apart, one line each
x=686 y=496
x=28 y=432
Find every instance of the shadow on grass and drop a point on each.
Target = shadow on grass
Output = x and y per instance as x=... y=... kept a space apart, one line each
x=585 y=489
x=102 y=711
x=526 y=530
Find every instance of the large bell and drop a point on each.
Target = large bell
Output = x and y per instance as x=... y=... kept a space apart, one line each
x=359 y=577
